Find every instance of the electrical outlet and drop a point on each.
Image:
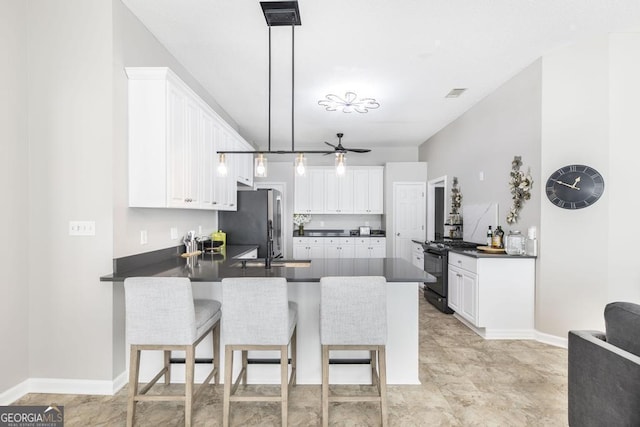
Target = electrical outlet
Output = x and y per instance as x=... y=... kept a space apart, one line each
x=82 y=228
x=199 y=230
x=174 y=233
x=143 y=237
x=321 y=223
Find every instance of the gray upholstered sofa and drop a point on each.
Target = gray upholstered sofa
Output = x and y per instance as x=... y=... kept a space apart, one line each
x=604 y=370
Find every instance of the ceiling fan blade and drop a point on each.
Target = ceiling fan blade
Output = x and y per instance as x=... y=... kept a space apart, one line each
x=358 y=150
x=330 y=145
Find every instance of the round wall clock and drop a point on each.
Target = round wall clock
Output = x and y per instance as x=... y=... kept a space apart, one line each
x=575 y=187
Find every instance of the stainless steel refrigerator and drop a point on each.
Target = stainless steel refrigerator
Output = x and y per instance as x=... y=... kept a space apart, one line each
x=258 y=219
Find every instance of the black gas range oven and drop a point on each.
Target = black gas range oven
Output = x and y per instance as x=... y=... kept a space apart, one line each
x=436 y=263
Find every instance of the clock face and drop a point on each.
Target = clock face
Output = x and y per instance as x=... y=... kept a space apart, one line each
x=574 y=187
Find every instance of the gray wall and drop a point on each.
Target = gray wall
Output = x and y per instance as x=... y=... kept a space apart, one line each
x=580 y=105
x=14 y=214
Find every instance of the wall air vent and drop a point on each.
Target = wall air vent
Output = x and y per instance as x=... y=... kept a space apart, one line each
x=279 y=13
x=454 y=93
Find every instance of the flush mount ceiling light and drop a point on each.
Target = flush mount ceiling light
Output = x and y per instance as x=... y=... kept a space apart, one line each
x=286 y=13
x=349 y=103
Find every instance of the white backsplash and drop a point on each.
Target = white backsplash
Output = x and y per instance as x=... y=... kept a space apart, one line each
x=477 y=219
x=343 y=222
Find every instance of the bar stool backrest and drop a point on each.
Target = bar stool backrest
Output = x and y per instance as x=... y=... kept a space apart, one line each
x=159 y=310
x=256 y=311
x=353 y=310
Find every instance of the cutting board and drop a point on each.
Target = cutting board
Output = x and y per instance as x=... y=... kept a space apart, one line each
x=490 y=250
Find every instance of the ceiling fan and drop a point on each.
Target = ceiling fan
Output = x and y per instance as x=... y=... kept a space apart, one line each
x=340 y=149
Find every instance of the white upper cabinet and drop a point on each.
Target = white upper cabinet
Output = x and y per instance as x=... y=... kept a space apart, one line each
x=309 y=190
x=368 y=190
x=338 y=192
x=359 y=191
x=173 y=139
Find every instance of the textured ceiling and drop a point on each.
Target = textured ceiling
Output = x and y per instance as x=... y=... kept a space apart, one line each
x=407 y=54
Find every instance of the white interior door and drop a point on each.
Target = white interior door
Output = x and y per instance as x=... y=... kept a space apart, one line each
x=409 y=217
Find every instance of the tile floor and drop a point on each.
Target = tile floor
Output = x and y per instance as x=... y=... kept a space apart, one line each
x=466 y=381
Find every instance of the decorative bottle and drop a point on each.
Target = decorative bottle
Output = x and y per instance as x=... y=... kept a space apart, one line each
x=498 y=238
x=489 y=237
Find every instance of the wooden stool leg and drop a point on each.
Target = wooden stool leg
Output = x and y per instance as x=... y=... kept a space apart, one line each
x=167 y=365
x=134 y=369
x=382 y=357
x=325 y=385
x=216 y=353
x=294 y=356
x=284 y=383
x=374 y=369
x=188 y=385
x=245 y=354
x=228 y=375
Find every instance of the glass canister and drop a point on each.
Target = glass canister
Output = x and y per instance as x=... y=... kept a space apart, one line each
x=515 y=243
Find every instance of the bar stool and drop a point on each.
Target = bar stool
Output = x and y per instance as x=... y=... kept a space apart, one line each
x=353 y=316
x=161 y=314
x=257 y=317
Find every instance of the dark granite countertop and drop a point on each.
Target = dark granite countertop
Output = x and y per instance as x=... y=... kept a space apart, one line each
x=479 y=254
x=337 y=233
x=210 y=267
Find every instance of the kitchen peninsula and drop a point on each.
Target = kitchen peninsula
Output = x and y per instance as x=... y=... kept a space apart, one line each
x=207 y=270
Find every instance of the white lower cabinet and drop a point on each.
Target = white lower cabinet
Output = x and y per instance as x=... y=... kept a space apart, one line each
x=338 y=247
x=308 y=247
x=495 y=295
x=371 y=247
x=418 y=255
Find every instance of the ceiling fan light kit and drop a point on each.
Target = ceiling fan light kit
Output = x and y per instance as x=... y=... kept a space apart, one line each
x=286 y=13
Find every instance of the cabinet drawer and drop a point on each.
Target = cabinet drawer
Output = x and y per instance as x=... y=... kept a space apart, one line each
x=338 y=240
x=307 y=241
x=464 y=262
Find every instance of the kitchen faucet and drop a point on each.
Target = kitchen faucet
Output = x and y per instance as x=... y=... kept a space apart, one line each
x=269 y=257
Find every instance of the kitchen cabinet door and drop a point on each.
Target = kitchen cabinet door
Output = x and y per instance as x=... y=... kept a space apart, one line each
x=418 y=256
x=368 y=190
x=454 y=283
x=309 y=191
x=338 y=192
x=208 y=161
x=308 y=248
x=463 y=287
x=339 y=247
x=370 y=247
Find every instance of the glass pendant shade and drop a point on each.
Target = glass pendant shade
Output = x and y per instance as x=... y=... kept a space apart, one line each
x=341 y=164
x=260 y=166
x=222 y=165
x=301 y=164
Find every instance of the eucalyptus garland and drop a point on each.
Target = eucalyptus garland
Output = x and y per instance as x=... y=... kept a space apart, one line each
x=520 y=184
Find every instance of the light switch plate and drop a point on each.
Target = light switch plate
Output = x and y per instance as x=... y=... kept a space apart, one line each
x=82 y=228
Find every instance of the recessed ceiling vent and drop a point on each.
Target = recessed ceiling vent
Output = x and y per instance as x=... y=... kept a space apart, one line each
x=455 y=93
x=278 y=13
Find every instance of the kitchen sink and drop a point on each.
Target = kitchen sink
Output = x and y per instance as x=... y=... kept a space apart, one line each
x=275 y=263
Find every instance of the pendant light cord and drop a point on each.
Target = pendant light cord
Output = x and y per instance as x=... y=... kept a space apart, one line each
x=293 y=27
x=269 y=135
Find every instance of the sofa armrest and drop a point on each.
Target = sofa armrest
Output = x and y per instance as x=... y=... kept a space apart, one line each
x=604 y=382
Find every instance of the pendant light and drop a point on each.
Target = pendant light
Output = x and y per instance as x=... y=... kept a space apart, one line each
x=260 y=166
x=222 y=165
x=301 y=164
x=341 y=164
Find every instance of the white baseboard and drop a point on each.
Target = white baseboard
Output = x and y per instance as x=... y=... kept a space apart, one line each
x=552 y=340
x=63 y=386
x=514 y=334
x=14 y=393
